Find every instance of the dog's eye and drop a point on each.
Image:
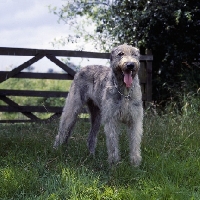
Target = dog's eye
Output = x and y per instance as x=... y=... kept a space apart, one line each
x=120 y=54
x=134 y=54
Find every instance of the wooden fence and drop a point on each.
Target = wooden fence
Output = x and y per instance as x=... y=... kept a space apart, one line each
x=145 y=75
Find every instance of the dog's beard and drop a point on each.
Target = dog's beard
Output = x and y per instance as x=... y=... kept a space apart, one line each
x=128 y=79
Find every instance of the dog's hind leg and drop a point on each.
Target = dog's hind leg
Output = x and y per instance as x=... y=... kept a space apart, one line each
x=69 y=115
x=95 y=117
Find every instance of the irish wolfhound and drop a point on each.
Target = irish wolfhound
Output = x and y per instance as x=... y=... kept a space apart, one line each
x=112 y=95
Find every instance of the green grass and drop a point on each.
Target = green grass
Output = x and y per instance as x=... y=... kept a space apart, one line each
x=31 y=169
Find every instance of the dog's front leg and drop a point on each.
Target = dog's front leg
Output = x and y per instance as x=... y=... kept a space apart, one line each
x=112 y=141
x=135 y=135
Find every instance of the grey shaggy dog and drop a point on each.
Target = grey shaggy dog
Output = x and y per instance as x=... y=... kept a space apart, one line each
x=112 y=95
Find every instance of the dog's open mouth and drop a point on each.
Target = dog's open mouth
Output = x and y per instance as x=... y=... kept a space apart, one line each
x=128 y=79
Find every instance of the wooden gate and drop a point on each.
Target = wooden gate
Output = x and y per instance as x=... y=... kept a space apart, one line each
x=145 y=75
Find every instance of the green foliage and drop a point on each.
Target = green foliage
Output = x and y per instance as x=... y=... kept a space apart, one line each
x=169 y=28
x=32 y=169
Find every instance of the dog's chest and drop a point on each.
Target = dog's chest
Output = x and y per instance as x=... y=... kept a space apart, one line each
x=124 y=111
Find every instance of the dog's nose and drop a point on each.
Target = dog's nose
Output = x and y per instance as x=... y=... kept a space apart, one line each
x=130 y=65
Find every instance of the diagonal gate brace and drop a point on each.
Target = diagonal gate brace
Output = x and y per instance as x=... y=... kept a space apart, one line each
x=21 y=67
x=13 y=104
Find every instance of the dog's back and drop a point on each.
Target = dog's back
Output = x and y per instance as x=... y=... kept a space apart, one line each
x=90 y=81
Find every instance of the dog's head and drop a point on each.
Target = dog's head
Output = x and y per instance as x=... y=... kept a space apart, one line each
x=125 y=59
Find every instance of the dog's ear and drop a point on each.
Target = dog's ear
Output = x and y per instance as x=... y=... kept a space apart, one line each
x=112 y=53
x=111 y=58
x=137 y=50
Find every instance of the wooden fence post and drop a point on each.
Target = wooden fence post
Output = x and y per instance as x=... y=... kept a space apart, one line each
x=149 y=78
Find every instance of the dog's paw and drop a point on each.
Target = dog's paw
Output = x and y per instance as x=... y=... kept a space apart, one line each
x=136 y=160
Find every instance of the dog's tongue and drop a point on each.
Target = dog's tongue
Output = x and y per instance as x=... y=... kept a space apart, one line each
x=128 y=79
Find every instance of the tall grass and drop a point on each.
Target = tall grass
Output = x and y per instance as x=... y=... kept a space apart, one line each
x=31 y=169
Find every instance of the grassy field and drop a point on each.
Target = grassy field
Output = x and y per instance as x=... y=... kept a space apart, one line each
x=31 y=169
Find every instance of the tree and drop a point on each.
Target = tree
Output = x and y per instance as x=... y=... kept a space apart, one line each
x=171 y=29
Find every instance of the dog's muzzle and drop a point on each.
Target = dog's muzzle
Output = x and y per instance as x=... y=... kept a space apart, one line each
x=130 y=66
x=129 y=71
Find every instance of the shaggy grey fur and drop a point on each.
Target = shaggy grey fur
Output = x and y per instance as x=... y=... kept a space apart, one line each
x=112 y=95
